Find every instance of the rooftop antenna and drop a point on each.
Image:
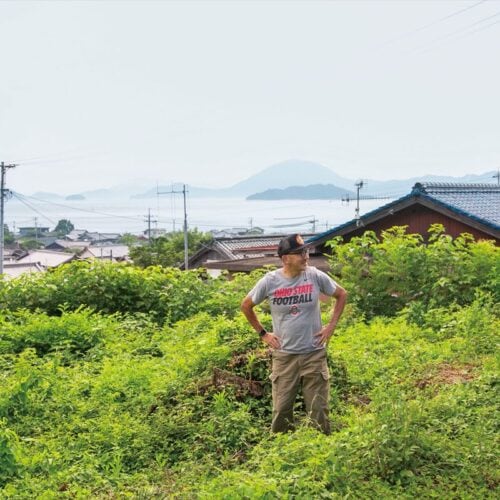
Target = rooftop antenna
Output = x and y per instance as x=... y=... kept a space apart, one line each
x=359 y=185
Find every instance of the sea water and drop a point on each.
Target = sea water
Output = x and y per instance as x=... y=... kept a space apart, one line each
x=167 y=212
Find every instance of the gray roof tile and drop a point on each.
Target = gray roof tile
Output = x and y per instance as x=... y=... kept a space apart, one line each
x=480 y=201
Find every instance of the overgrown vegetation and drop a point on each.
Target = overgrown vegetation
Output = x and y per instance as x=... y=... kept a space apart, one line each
x=168 y=250
x=109 y=390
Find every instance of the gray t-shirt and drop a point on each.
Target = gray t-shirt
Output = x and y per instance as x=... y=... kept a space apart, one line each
x=295 y=306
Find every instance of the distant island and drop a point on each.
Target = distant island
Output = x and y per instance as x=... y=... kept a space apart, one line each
x=310 y=192
x=75 y=197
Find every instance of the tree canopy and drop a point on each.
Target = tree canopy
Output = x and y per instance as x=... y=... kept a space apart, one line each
x=64 y=227
x=168 y=250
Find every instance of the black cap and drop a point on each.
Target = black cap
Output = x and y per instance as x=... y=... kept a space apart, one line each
x=291 y=244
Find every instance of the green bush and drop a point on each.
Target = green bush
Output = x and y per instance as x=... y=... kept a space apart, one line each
x=384 y=276
x=108 y=385
x=167 y=295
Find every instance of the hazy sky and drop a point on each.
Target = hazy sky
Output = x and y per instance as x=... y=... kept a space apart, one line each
x=94 y=94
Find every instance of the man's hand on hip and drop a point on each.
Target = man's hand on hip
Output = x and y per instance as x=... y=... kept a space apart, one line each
x=271 y=340
x=323 y=336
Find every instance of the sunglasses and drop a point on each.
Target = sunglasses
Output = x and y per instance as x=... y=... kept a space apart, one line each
x=304 y=252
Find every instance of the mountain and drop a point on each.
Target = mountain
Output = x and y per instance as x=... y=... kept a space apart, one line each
x=312 y=192
x=403 y=186
x=290 y=173
x=43 y=195
x=278 y=176
x=283 y=175
x=392 y=188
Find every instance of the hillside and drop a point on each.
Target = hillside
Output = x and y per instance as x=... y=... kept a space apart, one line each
x=120 y=382
x=313 y=192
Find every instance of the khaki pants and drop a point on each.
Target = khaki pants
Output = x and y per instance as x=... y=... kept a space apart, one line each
x=289 y=371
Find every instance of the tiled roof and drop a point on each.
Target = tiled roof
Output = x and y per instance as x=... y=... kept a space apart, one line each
x=106 y=251
x=70 y=244
x=479 y=201
x=249 y=264
x=15 y=269
x=237 y=248
x=47 y=258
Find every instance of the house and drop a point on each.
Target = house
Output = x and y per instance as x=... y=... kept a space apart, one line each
x=239 y=254
x=76 y=234
x=247 y=265
x=67 y=245
x=47 y=258
x=15 y=269
x=96 y=237
x=470 y=208
x=113 y=253
x=12 y=253
x=154 y=232
x=460 y=208
x=33 y=230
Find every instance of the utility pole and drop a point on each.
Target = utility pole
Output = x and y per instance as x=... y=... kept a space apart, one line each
x=148 y=220
x=359 y=184
x=497 y=177
x=313 y=222
x=186 y=254
x=2 y=208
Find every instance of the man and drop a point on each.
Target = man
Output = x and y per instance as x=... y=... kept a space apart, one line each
x=298 y=338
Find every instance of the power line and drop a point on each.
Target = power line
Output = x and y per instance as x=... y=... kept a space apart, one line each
x=41 y=160
x=24 y=202
x=433 y=23
x=453 y=34
x=135 y=219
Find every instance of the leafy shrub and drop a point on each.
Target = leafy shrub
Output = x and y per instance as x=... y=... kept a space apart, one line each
x=8 y=463
x=384 y=276
x=74 y=333
x=167 y=295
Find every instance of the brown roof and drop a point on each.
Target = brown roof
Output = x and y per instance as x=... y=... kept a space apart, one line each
x=249 y=264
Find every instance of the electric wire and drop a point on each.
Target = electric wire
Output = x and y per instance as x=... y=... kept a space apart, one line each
x=452 y=35
x=433 y=23
x=24 y=202
x=138 y=218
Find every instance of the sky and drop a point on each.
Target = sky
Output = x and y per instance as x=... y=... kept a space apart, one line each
x=97 y=94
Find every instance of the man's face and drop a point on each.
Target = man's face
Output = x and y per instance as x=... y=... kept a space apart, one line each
x=297 y=261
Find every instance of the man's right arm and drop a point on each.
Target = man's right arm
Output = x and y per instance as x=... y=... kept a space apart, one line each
x=247 y=308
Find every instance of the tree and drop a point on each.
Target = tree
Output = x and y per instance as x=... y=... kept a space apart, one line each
x=64 y=227
x=128 y=239
x=8 y=237
x=168 y=250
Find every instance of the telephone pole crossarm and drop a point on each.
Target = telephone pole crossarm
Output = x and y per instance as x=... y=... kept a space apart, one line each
x=183 y=192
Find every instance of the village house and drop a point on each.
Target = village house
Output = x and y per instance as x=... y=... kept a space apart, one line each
x=33 y=231
x=460 y=208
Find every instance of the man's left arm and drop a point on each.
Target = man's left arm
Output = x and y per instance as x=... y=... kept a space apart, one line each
x=326 y=332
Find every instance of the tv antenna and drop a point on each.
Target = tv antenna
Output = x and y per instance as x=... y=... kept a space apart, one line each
x=359 y=185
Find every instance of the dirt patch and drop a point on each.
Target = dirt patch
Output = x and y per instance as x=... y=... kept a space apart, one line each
x=447 y=374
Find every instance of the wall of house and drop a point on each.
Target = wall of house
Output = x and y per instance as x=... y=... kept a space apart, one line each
x=418 y=219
